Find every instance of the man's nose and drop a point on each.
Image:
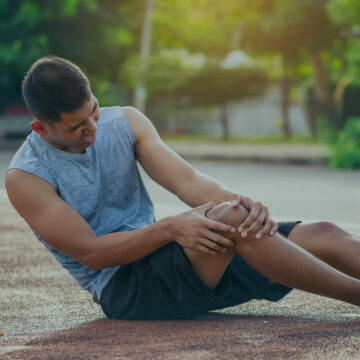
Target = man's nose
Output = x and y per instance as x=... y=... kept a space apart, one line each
x=91 y=128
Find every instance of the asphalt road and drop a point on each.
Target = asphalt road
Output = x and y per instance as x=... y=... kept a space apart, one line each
x=45 y=315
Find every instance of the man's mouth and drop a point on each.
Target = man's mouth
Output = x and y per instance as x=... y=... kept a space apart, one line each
x=89 y=139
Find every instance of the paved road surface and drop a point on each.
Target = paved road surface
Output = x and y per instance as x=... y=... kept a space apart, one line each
x=45 y=315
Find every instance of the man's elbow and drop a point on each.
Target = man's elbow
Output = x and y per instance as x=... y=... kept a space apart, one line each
x=90 y=255
x=95 y=260
x=91 y=261
x=94 y=267
x=96 y=264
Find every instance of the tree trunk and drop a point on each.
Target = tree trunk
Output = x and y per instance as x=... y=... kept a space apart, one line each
x=285 y=87
x=323 y=104
x=311 y=115
x=145 y=44
x=223 y=115
x=321 y=92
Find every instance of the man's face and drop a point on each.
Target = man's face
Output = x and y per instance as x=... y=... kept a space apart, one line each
x=76 y=131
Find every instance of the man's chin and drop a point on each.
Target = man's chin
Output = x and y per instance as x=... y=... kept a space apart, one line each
x=85 y=145
x=78 y=148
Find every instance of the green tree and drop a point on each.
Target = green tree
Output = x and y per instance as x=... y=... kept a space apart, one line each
x=97 y=35
x=297 y=30
x=195 y=25
x=216 y=86
x=345 y=11
x=211 y=30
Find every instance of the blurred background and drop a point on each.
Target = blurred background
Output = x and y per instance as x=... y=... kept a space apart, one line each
x=230 y=71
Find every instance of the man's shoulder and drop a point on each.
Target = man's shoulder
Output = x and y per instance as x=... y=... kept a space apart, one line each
x=15 y=175
x=109 y=113
x=30 y=159
x=26 y=153
x=112 y=118
x=117 y=120
x=18 y=179
x=139 y=123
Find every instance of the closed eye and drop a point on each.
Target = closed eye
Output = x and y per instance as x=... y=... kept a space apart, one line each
x=95 y=108
x=75 y=127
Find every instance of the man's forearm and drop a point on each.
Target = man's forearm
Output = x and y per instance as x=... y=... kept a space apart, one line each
x=124 y=247
x=203 y=189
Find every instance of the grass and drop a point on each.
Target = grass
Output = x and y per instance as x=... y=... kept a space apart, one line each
x=269 y=139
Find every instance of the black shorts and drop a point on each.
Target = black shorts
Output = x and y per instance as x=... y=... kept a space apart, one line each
x=163 y=285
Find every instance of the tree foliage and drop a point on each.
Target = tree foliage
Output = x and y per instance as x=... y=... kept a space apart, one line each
x=197 y=25
x=288 y=27
x=95 y=34
x=219 y=86
x=345 y=11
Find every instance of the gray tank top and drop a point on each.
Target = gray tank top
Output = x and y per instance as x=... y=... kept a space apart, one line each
x=103 y=185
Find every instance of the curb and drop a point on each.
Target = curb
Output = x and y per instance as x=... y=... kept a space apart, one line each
x=269 y=153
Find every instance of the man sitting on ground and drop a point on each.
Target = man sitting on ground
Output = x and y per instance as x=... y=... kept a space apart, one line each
x=76 y=183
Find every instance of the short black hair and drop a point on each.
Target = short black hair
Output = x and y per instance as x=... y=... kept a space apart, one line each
x=54 y=85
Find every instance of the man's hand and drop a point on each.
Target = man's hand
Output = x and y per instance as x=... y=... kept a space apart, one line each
x=258 y=221
x=193 y=230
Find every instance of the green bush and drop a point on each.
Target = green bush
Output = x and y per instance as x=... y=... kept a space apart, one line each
x=346 y=146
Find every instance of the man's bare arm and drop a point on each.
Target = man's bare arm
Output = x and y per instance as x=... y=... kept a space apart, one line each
x=192 y=187
x=168 y=169
x=64 y=229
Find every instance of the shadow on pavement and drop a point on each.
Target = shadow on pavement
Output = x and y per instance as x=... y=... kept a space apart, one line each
x=212 y=336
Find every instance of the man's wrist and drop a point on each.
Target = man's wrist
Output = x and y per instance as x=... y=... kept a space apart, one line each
x=166 y=229
x=230 y=197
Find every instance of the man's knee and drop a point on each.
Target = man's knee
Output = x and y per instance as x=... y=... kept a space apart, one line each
x=228 y=214
x=327 y=231
x=326 y=227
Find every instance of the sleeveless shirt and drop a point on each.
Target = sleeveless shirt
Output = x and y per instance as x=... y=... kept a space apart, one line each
x=103 y=185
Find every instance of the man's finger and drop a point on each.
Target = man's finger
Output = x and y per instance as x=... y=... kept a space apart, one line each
x=202 y=209
x=269 y=228
x=246 y=202
x=206 y=206
x=219 y=239
x=213 y=245
x=274 y=229
x=214 y=225
x=205 y=249
x=235 y=200
x=254 y=213
x=265 y=230
x=257 y=224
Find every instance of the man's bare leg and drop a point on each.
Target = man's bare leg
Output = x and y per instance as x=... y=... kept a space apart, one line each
x=210 y=268
x=276 y=258
x=331 y=244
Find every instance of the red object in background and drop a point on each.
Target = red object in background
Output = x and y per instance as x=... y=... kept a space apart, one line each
x=16 y=110
x=180 y=130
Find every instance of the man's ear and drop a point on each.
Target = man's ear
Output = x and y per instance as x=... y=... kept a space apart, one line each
x=39 y=127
